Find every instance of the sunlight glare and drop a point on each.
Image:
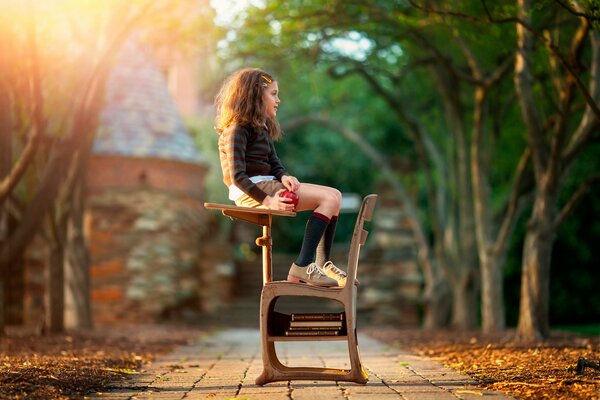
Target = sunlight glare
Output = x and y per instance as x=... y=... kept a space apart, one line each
x=227 y=10
x=354 y=46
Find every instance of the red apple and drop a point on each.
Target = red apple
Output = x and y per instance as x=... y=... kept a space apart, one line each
x=290 y=195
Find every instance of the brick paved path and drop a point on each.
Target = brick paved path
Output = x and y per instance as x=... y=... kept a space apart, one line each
x=224 y=366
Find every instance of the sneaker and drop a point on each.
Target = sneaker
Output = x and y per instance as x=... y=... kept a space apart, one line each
x=311 y=274
x=335 y=273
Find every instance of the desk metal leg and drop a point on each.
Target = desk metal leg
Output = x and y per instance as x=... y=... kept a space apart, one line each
x=267 y=257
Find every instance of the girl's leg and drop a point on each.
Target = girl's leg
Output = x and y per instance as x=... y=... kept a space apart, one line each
x=322 y=199
x=325 y=203
x=331 y=199
x=324 y=248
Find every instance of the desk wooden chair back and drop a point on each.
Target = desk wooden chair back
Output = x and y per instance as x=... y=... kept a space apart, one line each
x=273 y=325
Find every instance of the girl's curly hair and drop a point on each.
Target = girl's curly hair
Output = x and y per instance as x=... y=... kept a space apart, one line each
x=240 y=102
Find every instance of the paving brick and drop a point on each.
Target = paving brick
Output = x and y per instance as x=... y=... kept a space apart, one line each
x=225 y=366
x=378 y=396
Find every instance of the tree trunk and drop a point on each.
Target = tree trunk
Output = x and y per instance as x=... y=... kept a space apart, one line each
x=437 y=304
x=77 y=274
x=458 y=249
x=2 y=328
x=464 y=300
x=491 y=263
x=40 y=204
x=55 y=294
x=5 y=166
x=493 y=317
x=535 y=275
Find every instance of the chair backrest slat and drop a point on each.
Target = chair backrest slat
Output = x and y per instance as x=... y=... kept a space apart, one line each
x=363 y=238
x=359 y=236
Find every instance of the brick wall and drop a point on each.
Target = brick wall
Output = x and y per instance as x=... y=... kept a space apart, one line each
x=107 y=172
x=148 y=234
x=391 y=280
x=144 y=248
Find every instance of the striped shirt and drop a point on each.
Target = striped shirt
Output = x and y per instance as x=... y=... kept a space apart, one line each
x=246 y=152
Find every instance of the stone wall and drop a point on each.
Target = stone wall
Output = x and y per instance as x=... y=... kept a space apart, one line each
x=108 y=172
x=145 y=252
x=152 y=250
x=391 y=281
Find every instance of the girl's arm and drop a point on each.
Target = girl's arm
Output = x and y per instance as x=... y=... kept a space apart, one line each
x=233 y=143
x=290 y=182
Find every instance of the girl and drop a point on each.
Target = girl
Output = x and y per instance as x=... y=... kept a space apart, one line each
x=247 y=126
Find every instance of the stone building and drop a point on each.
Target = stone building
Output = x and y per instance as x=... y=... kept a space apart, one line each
x=393 y=282
x=145 y=191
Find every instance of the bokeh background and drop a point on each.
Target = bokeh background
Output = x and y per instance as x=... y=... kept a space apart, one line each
x=476 y=122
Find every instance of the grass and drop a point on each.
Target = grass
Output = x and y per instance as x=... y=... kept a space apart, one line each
x=586 y=330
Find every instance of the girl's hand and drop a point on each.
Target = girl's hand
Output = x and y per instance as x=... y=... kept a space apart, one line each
x=276 y=202
x=290 y=182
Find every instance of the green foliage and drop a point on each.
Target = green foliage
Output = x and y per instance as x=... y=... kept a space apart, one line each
x=318 y=155
x=321 y=51
x=592 y=8
x=575 y=298
x=586 y=330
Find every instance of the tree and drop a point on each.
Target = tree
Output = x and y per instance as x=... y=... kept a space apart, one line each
x=407 y=59
x=492 y=228
x=60 y=109
x=555 y=143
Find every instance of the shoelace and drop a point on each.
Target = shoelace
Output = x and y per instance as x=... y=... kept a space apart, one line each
x=314 y=268
x=330 y=266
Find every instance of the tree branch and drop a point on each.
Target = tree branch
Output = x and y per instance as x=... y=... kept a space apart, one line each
x=576 y=13
x=444 y=60
x=589 y=122
x=499 y=72
x=426 y=151
x=513 y=203
x=38 y=130
x=523 y=83
x=565 y=112
x=526 y=25
x=53 y=178
x=25 y=158
x=575 y=199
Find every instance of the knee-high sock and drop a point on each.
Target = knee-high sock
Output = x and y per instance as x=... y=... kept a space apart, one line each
x=315 y=227
x=324 y=247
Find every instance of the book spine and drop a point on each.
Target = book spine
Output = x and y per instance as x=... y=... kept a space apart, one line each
x=315 y=328
x=318 y=317
x=312 y=333
x=298 y=324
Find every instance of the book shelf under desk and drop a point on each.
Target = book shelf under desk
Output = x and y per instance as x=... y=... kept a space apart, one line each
x=306 y=338
x=279 y=323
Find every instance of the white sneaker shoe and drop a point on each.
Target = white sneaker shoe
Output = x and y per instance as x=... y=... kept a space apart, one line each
x=335 y=273
x=311 y=275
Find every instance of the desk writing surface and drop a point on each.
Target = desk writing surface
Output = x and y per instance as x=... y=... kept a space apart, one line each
x=249 y=210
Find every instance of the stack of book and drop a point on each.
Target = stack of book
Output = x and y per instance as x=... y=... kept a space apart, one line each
x=325 y=324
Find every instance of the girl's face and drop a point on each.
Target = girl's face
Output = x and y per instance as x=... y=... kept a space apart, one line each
x=271 y=100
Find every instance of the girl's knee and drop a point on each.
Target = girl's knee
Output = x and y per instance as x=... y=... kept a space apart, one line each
x=338 y=194
x=327 y=199
x=334 y=196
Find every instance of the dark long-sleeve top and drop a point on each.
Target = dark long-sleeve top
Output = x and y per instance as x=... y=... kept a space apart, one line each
x=246 y=152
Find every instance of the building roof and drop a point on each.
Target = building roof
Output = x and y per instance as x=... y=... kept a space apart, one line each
x=140 y=118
